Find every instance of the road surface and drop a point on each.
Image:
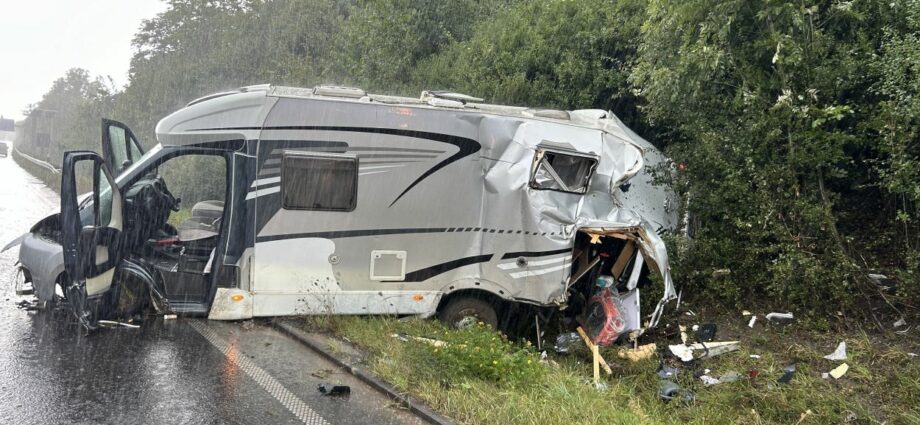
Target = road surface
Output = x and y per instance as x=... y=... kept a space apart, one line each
x=186 y=371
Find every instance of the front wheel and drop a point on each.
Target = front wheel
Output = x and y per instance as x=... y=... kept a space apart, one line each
x=465 y=312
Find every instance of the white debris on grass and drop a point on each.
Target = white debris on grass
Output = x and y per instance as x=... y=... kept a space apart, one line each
x=779 y=316
x=900 y=322
x=752 y=321
x=839 y=371
x=840 y=353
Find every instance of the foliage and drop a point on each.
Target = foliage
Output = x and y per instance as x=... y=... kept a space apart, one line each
x=481 y=352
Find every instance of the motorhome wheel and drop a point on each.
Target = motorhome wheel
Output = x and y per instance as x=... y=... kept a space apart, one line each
x=464 y=312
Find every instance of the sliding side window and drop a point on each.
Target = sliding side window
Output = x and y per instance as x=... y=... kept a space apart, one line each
x=320 y=182
x=562 y=171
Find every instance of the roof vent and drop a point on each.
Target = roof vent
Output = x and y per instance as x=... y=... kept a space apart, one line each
x=427 y=96
x=339 y=91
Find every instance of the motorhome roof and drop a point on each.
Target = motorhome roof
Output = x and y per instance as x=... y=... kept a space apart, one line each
x=428 y=99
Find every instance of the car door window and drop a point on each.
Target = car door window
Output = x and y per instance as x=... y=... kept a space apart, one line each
x=118 y=137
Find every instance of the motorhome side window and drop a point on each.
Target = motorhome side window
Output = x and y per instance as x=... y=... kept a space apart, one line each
x=319 y=182
x=562 y=172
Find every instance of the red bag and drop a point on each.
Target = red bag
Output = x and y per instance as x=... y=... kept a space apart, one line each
x=603 y=321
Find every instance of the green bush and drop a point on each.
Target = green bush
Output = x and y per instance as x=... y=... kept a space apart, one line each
x=481 y=352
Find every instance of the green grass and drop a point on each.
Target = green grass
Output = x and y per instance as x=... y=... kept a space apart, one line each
x=505 y=383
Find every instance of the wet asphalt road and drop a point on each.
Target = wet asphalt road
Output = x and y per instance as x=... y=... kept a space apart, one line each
x=186 y=371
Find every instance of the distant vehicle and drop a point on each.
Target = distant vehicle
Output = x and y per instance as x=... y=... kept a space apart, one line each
x=4 y=149
x=341 y=202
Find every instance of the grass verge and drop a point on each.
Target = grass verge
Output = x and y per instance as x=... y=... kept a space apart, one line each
x=480 y=378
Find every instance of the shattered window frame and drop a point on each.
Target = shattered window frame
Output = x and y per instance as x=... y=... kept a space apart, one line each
x=541 y=162
x=287 y=160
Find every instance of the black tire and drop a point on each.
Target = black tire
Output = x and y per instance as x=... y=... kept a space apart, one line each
x=461 y=312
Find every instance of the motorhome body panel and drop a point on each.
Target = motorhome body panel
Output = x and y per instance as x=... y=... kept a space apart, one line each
x=446 y=194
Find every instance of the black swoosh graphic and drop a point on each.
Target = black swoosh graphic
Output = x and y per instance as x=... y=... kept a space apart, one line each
x=467 y=146
x=429 y=272
x=534 y=253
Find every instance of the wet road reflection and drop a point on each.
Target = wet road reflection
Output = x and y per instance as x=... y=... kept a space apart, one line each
x=165 y=372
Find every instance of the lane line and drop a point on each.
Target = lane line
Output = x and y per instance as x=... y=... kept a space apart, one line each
x=291 y=402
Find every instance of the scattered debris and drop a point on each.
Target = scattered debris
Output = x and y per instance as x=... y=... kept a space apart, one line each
x=752 y=321
x=900 y=322
x=712 y=349
x=755 y=356
x=248 y=325
x=114 y=323
x=752 y=373
x=788 y=372
x=334 y=390
x=850 y=417
x=565 y=341
x=779 y=316
x=668 y=391
x=430 y=341
x=912 y=354
x=839 y=370
x=840 y=353
x=665 y=371
x=706 y=332
x=690 y=313
x=709 y=381
x=170 y=317
x=745 y=313
x=730 y=376
x=597 y=360
x=640 y=353
x=321 y=373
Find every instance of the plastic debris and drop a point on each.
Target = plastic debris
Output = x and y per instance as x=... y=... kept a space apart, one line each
x=779 y=316
x=730 y=376
x=710 y=349
x=745 y=313
x=170 y=317
x=334 y=390
x=669 y=391
x=706 y=332
x=912 y=354
x=721 y=272
x=708 y=380
x=640 y=353
x=788 y=372
x=839 y=371
x=900 y=322
x=665 y=371
x=752 y=321
x=564 y=342
x=683 y=352
x=804 y=415
x=429 y=341
x=755 y=356
x=840 y=353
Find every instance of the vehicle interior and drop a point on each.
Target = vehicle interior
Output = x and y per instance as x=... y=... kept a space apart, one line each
x=173 y=217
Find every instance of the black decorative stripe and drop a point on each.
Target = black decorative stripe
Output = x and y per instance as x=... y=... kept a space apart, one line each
x=534 y=253
x=337 y=234
x=466 y=146
x=429 y=272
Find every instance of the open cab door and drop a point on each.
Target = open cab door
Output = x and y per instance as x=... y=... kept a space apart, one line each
x=92 y=238
x=119 y=146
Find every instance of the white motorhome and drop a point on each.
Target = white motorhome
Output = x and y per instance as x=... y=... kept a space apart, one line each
x=335 y=201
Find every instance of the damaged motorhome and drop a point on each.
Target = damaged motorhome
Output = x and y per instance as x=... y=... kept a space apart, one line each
x=336 y=201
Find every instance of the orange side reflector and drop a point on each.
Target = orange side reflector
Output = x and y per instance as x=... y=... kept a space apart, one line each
x=418 y=297
x=236 y=297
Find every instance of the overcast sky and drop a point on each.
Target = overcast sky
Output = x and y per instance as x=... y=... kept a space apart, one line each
x=41 y=39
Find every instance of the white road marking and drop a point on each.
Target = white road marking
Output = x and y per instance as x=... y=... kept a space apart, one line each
x=271 y=385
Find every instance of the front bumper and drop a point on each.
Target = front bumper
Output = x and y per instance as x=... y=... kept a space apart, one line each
x=43 y=260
